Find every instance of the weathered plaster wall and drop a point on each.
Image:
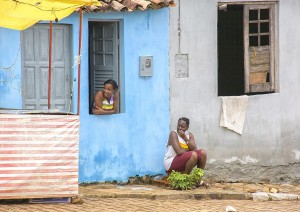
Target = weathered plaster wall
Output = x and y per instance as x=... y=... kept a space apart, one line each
x=115 y=147
x=270 y=140
x=10 y=69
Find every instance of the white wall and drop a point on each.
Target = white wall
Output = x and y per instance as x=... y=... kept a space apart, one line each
x=269 y=148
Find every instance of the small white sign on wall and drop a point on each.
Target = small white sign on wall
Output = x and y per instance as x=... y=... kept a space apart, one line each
x=181 y=66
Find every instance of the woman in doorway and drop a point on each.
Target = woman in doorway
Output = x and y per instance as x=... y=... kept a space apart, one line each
x=106 y=101
x=182 y=154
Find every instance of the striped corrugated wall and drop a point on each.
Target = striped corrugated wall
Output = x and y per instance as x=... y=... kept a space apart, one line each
x=38 y=156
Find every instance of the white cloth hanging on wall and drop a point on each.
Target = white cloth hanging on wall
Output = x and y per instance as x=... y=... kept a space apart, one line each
x=233 y=113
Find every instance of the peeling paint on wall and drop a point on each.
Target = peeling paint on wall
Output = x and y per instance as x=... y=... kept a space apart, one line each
x=231 y=160
x=245 y=160
x=297 y=154
x=212 y=160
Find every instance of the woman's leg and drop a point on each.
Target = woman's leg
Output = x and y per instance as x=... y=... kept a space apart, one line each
x=201 y=158
x=184 y=163
x=191 y=163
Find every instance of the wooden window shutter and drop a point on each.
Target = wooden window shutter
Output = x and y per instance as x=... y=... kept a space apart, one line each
x=259 y=43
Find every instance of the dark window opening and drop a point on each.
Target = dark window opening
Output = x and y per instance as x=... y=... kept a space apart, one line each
x=253 y=15
x=253 y=40
x=264 y=40
x=231 y=51
x=253 y=28
x=264 y=27
x=264 y=14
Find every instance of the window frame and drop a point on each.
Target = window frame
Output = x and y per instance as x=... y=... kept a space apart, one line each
x=220 y=2
x=116 y=74
x=273 y=85
x=268 y=86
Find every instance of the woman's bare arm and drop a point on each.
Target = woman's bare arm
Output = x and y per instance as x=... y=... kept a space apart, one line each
x=191 y=142
x=98 y=104
x=173 y=140
x=98 y=99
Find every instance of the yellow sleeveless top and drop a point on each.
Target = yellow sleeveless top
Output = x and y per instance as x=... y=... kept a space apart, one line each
x=170 y=153
x=182 y=143
x=108 y=105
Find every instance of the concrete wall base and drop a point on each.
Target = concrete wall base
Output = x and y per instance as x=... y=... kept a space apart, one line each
x=253 y=173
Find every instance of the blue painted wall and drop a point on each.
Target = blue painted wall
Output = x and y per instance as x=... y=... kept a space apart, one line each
x=10 y=69
x=115 y=147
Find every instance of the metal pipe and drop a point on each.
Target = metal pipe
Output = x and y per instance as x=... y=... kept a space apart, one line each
x=79 y=55
x=50 y=66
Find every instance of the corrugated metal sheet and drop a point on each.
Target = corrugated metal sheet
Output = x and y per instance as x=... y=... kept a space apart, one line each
x=38 y=156
x=129 y=5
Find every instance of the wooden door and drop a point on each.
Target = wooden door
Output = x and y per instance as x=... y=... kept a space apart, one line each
x=35 y=62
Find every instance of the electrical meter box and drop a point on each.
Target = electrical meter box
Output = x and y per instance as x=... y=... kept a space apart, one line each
x=146 y=66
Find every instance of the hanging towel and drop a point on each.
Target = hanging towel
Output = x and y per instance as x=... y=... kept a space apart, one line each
x=233 y=113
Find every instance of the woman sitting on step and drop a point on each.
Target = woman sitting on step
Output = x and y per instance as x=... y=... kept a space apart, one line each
x=182 y=154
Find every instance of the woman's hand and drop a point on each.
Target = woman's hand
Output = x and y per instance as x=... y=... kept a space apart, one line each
x=183 y=135
x=97 y=110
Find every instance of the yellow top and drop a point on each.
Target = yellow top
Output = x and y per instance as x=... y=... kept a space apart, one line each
x=184 y=146
x=170 y=152
x=108 y=105
x=182 y=143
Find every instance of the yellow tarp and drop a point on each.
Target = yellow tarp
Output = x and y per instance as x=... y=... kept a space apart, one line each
x=21 y=14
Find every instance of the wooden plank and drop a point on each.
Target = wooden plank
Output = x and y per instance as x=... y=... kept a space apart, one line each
x=259 y=56
x=272 y=48
x=258 y=88
x=260 y=68
x=246 y=49
x=258 y=77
